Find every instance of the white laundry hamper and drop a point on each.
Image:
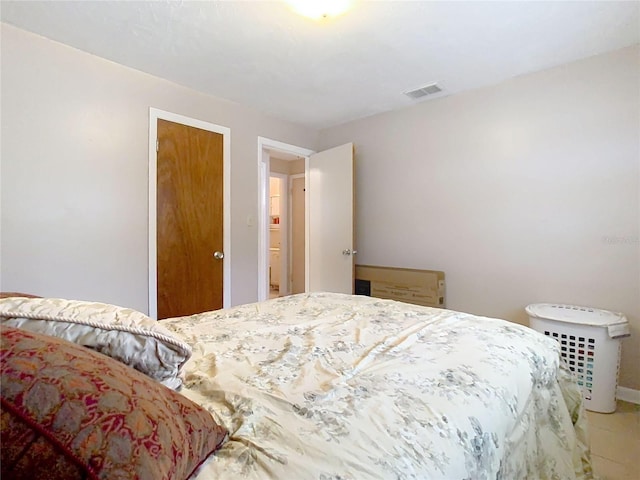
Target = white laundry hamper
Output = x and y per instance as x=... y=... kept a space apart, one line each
x=590 y=342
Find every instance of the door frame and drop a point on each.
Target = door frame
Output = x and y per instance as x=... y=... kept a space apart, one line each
x=264 y=145
x=154 y=115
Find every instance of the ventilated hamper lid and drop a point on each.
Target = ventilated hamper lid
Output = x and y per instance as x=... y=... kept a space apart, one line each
x=615 y=322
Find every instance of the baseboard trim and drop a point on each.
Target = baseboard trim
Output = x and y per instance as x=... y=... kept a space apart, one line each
x=628 y=395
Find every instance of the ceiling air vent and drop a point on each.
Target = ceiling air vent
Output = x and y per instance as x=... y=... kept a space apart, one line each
x=424 y=91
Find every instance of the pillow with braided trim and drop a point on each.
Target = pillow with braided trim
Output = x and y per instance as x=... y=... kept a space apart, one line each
x=121 y=333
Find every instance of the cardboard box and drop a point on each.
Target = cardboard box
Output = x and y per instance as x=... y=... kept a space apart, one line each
x=420 y=287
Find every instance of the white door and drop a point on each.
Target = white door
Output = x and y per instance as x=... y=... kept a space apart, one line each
x=330 y=221
x=297 y=233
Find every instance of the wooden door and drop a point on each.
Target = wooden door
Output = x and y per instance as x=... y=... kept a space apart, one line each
x=189 y=220
x=331 y=238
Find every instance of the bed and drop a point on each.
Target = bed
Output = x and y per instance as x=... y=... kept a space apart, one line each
x=329 y=386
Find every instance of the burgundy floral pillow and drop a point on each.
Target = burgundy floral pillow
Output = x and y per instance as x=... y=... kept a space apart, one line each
x=71 y=413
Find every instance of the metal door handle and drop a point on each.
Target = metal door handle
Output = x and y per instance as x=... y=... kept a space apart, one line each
x=218 y=255
x=347 y=252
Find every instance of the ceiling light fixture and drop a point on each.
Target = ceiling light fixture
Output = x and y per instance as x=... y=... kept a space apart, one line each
x=320 y=9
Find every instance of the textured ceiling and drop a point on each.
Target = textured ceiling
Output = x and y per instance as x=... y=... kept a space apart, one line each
x=325 y=73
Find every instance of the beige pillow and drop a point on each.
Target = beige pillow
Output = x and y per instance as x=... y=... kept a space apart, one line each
x=121 y=333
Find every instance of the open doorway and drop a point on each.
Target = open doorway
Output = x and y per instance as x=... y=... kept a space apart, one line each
x=327 y=190
x=282 y=242
x=278 y=233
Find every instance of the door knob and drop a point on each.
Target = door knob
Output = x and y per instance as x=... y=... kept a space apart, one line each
x=218 y=255
x=347 y=252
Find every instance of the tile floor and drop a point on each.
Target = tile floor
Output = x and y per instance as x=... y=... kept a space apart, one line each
x=615 y=442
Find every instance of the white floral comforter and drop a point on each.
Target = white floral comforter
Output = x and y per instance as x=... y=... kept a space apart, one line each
x=328 y=386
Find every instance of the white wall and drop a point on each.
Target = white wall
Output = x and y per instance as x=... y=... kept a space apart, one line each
x=524 y=192
x=74 y=165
